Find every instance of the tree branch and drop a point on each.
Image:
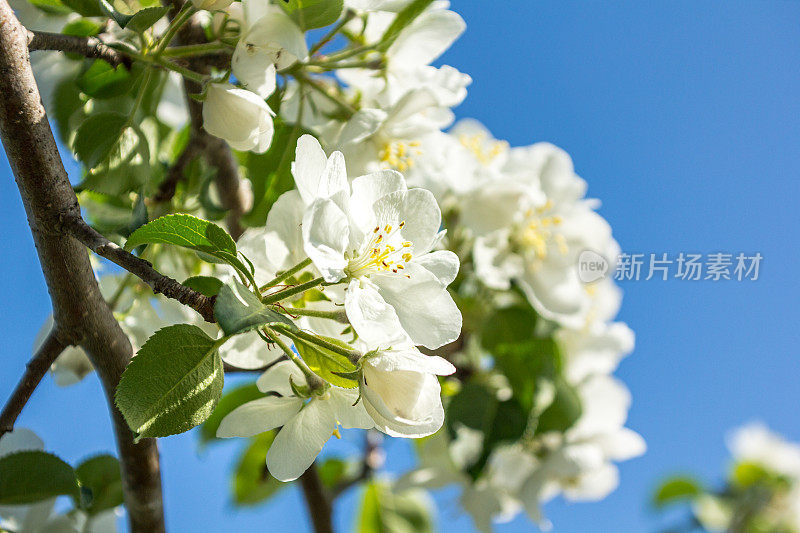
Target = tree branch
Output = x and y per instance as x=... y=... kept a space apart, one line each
x=78 y=306
x=166 y=189
x=34 y=372
x=90 y=47
x=74 y=224
x=317 y=501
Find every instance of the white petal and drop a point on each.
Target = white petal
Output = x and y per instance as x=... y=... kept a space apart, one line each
x=409 y=358
x=326 y=233
x=283 y=242
x=18 y=440
x=403 y=403
x=420 y=212
x=374 y=320
x=349 y=414
x=258 y=416
x=276 y=378
x=300 y=440
x=556 y=293
x=441 y=263
x=426 y=38
x=248 y=351
x=254 y=69
x=308 y=166
x=426 y=310
x=362 y=124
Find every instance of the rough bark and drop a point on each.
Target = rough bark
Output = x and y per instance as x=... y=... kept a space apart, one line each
x=78 y=307
x=90 y=47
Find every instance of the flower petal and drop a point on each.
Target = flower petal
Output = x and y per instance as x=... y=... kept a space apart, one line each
x=248 y=351
x=276 y=378
x=326 y=232
x=349 y=414
x=258 y=416
x=424 y=307
x=420 y=212
x=426 y=38
x=441 y=263
x=373 y=319
x=300 y=440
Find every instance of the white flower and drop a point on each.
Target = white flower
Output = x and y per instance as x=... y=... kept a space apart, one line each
x=408 y=60
x=240 y=117
x=755 y=443
x=307 y=424
x=377 y=236
x=272 y=42
x=579 y=465
x=211 y=5
x=530 y=228
x=400 y=390
x=374 y=139
x=596 y=349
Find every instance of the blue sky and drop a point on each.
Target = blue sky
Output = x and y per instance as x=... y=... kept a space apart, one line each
x=684 y=117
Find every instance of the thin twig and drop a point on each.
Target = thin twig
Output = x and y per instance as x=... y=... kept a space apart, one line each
x=166 y=189
x=161 y=284
x=90 y=47
x=34 y=372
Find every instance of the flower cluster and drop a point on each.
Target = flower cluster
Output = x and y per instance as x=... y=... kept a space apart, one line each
x=761 y=491
x=400 y=272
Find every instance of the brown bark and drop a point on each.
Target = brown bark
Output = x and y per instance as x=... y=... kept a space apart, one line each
x=78 y=308
x=317 y=500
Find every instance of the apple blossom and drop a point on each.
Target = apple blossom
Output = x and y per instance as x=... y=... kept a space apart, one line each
x=306 y=422
x=240 y=117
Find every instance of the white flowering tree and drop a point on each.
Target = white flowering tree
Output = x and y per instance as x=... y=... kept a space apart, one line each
x=276 y=188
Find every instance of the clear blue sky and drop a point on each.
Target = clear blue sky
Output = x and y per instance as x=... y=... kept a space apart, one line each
x=684 y=117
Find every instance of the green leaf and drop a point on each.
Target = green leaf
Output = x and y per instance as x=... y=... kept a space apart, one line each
x=508 y=326
x=327 y=364
x=477 y=407
x=32 y=476
x=229 y=401
x=67 y=103
x=405 y=17
x=97 y=136
x=252 y=482
x=746 y=474
x=173 y=383
x=332 y=471
x=108 y=10
x=676 y=489
x=186 y=231
x=85 y=8
x=238 y=310
x=563 y=412
x=101 y=475
x=310 y=14
x=142 y=20
x=385 y=511
x=205 y=285
x=102 y=80
x=82 y=28
x=51 y=7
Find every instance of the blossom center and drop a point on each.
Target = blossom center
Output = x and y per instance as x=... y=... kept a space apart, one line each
x=384 y=251
x=399 y=155
x=484 y=149
x=539 y=231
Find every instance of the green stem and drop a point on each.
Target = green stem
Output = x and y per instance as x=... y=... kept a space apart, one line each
x=317 y=86
x=343 y=55
x=194 y=49
x=314 y=381
x=163 y=63
x=186 y=11
x=352 y=355
x=297 y=289
x=339 y=316
x=286 y=275
x=348 y=16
